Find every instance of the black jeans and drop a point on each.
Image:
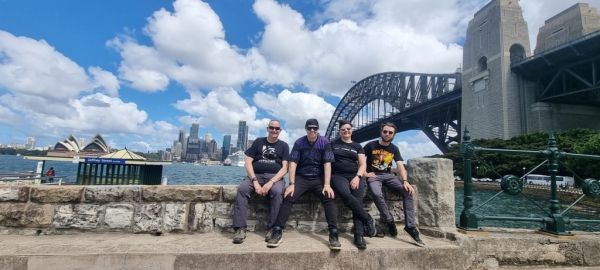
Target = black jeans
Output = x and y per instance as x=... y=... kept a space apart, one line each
x=353 y=199
x=301 y=186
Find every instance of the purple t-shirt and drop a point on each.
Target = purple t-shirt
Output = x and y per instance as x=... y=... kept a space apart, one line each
x=311 y=157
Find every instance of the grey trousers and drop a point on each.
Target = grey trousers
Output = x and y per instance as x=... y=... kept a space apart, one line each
x=392 y=182
x=245 y=189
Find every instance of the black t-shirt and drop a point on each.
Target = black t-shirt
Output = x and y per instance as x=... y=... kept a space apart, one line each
x=267 y=157
x=346 y=157
x=379 y=157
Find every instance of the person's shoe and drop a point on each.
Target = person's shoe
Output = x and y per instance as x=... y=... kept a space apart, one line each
x=392 y=229
x=334 y=242
x=275 y=238
x=370 y=229
x=359 y=241
x=414 y=234
x=239 y=236
x=268 y=235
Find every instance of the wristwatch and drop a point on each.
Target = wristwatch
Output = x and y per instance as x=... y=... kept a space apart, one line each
x=253 y=178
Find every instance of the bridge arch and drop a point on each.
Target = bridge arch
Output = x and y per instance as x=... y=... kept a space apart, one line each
x=430 y=102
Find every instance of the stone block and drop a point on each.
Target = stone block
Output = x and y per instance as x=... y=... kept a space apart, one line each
x=181 y=193
x=56 y=194
x=203 y=217
x=435 y=183
x=110 y=194
x=175 y=219
x=591 y=249
x=26 y=215
x=78 y=216
x=118 y=216
x=229 y=193
x=223 y=210
x=223 y=225
x=147 y=217
x=14 y=194
x=13 y=262
x=311 y=226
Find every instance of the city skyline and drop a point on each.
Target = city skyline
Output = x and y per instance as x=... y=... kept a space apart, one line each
x=138 y=72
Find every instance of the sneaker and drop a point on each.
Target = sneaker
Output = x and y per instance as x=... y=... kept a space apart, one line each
x=370 y=229
x=268 y=235
x=359 y=241
x=392 y=229
x=239 y=236
x=275 y=238
x=414 y=233
x=334 y=242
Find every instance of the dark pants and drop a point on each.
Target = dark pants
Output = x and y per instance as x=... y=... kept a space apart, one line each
x=353 y=199
x=245 y=189
x=392 y=182
x=315 y=186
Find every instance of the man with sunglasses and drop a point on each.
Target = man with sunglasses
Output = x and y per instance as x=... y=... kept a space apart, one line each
x=266 y=163
x=380 y=154
x=310 y=171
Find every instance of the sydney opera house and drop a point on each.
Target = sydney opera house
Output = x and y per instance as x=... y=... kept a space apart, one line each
x=72 y=147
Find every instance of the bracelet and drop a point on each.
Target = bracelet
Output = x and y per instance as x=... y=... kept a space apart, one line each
x=359 y=176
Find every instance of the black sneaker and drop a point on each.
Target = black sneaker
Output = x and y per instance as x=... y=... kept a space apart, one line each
x=414 y=233
x=239 y=236
x=334 y=242
x=392 y=229
x=275 y=238
x=268 y=235
x=370 y=229
x=359 y=241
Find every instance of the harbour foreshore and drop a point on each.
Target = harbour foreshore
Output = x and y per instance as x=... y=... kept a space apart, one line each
x=188 y=227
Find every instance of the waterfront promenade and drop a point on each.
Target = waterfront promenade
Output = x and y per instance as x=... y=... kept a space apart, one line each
x=489 y=250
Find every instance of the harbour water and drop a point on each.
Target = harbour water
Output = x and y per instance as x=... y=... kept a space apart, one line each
x=192 y=174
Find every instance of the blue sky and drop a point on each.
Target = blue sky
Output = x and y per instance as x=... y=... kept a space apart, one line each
x=137 y=71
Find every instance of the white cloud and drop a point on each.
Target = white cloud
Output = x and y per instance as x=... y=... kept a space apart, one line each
x=418 y=145
x=7 y=116
x=104 y=81
x=295 y=108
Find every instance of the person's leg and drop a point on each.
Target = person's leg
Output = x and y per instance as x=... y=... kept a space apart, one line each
x=300 y=187
x=375 y=185
x=408 y=202
x=275 y=200
x=330 y=213
x=240 y=206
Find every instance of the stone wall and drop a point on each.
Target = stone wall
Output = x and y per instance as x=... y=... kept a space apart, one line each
x=186 y=209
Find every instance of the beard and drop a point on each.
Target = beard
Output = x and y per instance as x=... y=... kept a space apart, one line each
x=387 y=141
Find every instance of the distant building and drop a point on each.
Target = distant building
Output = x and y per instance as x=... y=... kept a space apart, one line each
x=226 y=149
x=30 y=143
x=194 y=131
x=242 y=141
x=211 y=149
x=72 y=147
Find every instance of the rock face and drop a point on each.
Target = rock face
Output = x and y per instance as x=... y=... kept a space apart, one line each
x=435 y=183
x=184 y=209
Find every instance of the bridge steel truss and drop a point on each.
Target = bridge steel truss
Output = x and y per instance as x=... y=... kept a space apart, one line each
x=429 y=102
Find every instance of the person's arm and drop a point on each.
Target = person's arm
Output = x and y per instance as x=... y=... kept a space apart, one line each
x=251 y=175
x=327 y=191
x=362 y=169
x=403 y=175
x=292 y=176
x=284 y=168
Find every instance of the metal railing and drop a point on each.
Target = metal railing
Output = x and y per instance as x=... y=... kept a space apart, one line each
x=30 y=178
x=555 y=222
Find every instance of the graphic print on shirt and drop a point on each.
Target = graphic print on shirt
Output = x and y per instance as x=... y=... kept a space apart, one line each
x=382 y=160
x=268 y=154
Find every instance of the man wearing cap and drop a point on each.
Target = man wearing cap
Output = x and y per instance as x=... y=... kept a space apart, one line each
x=380 y=154
x=310 y=171
x=266 y=163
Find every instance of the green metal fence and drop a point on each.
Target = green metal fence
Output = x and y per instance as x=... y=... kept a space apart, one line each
x=118 y=174
x=555 y=220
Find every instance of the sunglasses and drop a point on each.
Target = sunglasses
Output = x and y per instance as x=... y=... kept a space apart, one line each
x=312 y=128
x=274 y=128
x=387 y=132
x=345 y=129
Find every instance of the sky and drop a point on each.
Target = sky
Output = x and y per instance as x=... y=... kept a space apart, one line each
x=138 y=71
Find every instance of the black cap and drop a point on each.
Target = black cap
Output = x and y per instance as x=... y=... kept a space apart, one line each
x=311 y=123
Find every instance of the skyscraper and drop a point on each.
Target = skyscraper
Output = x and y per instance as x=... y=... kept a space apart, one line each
x=30 y=143
x=194 y=131
x=226 y=146
x=242 y=136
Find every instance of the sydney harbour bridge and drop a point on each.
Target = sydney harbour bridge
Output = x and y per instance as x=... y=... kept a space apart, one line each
x=501 y=92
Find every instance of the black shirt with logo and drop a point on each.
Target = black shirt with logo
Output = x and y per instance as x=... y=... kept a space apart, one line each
x=379 y=157
x=346 y=157
x=267 y=157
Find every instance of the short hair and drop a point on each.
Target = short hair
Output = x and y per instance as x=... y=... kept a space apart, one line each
x=275 y=120
x=344 y=122
x=389 y=124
